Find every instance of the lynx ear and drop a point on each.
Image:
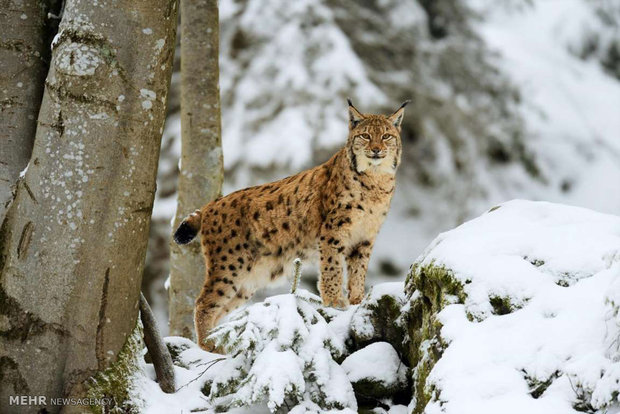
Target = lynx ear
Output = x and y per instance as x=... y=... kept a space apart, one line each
x=355 y=116
x=397 y=117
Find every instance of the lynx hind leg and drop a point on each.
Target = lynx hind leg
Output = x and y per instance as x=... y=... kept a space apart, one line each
x=213 y=299
x=241 y=296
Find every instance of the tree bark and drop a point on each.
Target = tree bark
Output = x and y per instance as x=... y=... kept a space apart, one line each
x=201 y=167
x=73 y=243
x=24 y=59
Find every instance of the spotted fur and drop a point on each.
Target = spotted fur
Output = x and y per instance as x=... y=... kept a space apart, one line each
x=251 y=237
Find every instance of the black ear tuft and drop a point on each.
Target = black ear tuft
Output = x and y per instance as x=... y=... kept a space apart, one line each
x=185 y=233
x=355 y=116
x=397 y=117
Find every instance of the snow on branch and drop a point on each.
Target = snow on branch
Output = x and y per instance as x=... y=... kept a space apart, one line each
x=282 y=353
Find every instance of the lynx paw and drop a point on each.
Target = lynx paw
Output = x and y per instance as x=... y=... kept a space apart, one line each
x=209 y=346
x=355 y=300
x=338 y=303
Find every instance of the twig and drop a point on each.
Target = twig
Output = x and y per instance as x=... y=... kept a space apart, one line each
x=296 y=274
x=211 y=363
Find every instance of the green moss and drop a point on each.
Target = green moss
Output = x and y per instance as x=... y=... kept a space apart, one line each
x=435 y=282
x=385 y=316
x=430 y=288
x=116 y=381
x=501 y=305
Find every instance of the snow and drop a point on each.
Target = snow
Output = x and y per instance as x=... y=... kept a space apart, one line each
x=569 y=104
x=23 y=172
x=559 y=266
x=376 y=362
x=198 y=369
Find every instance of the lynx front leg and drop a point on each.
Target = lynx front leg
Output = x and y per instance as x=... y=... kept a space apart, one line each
x=357 y=265
x=330 y=280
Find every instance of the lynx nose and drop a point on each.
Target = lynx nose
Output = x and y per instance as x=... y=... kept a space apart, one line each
x=376 y=151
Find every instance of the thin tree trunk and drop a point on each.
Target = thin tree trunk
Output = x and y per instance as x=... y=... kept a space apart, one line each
x=201 y=175
x=24 y=59
x=73 y=243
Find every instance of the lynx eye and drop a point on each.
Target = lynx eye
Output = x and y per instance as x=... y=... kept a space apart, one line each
x=387 y=137
x=365 y=137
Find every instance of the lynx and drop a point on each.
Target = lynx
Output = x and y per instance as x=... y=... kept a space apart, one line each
x=251 y=237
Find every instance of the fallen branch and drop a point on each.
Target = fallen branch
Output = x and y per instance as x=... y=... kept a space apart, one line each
x=164 y=370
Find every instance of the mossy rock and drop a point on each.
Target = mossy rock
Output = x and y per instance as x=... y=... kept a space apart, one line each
x=379 y=318
x=430 y=288
x=373 y=394
x=378 y=374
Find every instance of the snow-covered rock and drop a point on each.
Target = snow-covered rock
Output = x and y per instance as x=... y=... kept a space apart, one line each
x=517 y=312
x=376 y=370
x=379 y=317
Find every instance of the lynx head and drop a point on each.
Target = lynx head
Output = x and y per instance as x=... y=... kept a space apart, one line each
x=374 y=140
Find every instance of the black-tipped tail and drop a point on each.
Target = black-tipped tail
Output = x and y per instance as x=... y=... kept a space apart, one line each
x=185 y=233
x=189 y=228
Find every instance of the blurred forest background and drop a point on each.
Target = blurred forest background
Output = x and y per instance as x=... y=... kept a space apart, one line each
x=511 y=99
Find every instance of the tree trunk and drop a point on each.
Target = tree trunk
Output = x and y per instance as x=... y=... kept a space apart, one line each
x=201 y=175
x=24 y=59
x=73 y=243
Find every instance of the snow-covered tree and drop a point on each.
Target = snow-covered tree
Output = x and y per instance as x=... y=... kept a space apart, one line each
x=282 y=353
